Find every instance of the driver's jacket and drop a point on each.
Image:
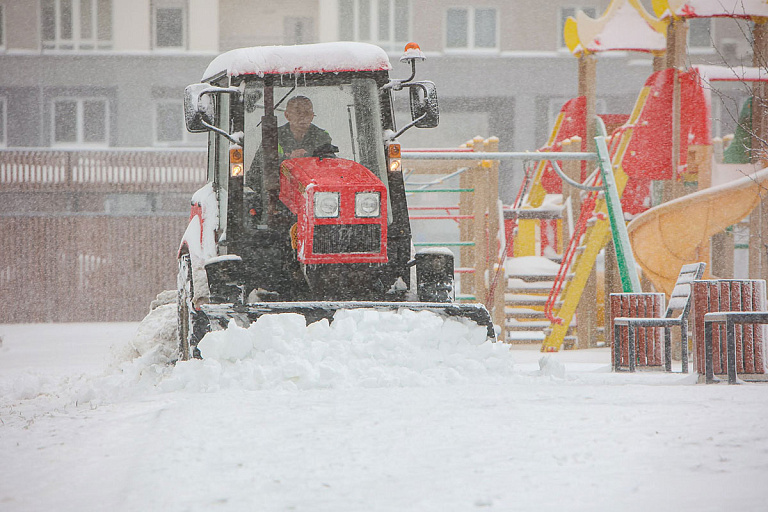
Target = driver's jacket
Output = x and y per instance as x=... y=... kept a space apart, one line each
x=313 y=139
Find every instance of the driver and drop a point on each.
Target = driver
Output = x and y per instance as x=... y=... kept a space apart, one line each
x=299 y=137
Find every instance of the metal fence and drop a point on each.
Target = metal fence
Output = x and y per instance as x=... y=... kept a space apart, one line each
x=89 y=266
x=116 y=170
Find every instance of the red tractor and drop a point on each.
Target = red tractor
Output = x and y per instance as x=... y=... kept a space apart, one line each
x=309 y=216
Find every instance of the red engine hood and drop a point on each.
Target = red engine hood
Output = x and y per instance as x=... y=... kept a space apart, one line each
x=328 y=174
x=345 y=238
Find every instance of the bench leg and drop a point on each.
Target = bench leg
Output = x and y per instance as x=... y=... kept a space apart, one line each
x=667 y=350
x=616 y=348
x=631 y=351
x=684 y=344
x=730 y=336
x=709 y=372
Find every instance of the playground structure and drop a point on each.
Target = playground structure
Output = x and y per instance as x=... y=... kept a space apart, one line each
x=680 y=187
x=664 y=145
x=464 y=194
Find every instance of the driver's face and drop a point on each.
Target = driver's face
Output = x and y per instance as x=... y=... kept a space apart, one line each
x=300 y=113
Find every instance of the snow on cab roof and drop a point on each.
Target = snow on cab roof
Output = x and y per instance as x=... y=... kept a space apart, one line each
x=306 y=58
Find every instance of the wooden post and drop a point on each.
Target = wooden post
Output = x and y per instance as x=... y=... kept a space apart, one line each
x=588 y=88
x=479 y=225
x=494 y=206
x=496 y=227
x=700 y=168
x=677 y=33
x=758 y=219
x=586 y=311
x=466 y=207
x=759 y=96
x=722 y=255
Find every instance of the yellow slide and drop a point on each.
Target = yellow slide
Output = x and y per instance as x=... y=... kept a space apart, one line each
x=673 y=234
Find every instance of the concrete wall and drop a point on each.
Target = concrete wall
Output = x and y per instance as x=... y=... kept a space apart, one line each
x=22 y=28
x=203 y=26
x=131 y=25
x=247 y=23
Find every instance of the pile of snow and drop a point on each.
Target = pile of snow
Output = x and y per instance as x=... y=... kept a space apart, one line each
x=361 y=348
x=156 y=334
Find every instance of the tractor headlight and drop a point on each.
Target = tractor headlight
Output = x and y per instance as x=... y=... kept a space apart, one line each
x=326 y=205
x=367 y=204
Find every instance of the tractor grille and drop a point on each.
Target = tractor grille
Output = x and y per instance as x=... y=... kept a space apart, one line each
x=347 y=238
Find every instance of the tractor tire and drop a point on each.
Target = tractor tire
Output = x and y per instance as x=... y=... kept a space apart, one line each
x=190 y=329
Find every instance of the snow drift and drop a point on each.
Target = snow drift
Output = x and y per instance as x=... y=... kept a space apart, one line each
x=359 y=349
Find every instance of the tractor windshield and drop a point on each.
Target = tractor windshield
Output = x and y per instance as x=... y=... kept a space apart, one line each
x=343 y=112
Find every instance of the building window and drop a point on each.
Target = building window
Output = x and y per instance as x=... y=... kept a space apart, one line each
x=80 y=121
x=383 y=22
x=570 y=12
x=169 y=125
x=471 y=28
x=170 y=25
x=3 y=122
x=700 y=33
x=76 y=24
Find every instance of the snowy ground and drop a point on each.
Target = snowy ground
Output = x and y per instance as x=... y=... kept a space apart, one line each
x=365 y=415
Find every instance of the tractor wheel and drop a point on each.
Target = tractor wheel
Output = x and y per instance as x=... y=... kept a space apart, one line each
x=188 y=323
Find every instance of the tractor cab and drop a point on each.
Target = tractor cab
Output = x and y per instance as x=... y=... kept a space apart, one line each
x=305 y=201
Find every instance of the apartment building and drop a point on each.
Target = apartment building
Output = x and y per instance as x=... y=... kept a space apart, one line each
x=100 y=73
x=110 y=73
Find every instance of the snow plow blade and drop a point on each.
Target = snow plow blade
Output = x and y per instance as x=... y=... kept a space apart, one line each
x=220 y=314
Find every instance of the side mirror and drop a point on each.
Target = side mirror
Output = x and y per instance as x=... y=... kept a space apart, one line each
x=198 y=108
x=424 y=108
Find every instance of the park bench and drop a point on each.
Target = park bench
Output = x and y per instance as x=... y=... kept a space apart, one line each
x=728 y=331
x=676 y=315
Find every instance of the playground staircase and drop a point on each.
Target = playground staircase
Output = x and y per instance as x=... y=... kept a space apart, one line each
x=539 y=232
x=525 y=300
x=531 y=276
x=553 y=311
x=591 y=233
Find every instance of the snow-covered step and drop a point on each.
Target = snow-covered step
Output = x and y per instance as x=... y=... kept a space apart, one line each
x=524 y=313
x=533 y=278
x=524 y=290
x=529 y=283
x=513 y=325
x=536 y=337
x=519 y=286
x=524 y=337
x=527 y=300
